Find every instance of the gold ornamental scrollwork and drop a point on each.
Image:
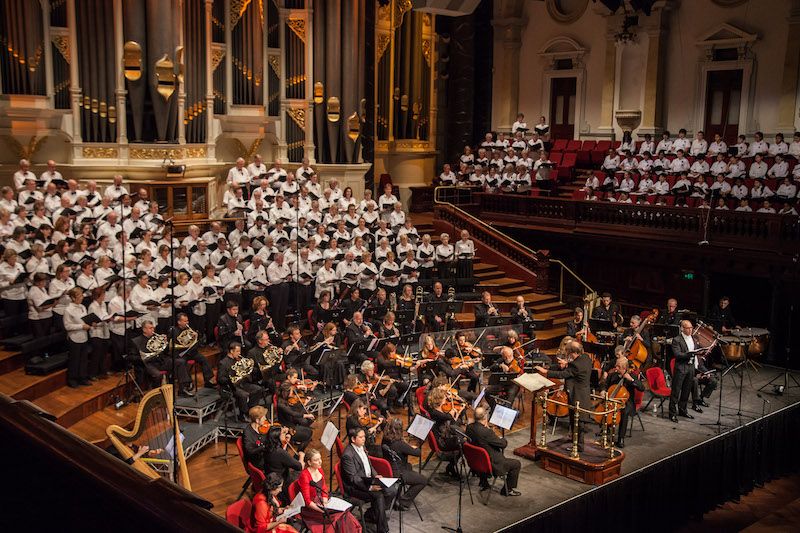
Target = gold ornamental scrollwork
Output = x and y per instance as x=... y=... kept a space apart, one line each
x=298 y=26
x=97 y=152
x=426 y=51
x=156 y=153
x=401 y=7
x=298 y=116
x=217 y=53
x=275 y=64
x=196 y=152
x=61 y=43
x=383 y=44
x=238 y=7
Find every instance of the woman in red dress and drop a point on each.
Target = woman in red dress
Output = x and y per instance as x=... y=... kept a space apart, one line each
x=267 y=509
x=315 y=493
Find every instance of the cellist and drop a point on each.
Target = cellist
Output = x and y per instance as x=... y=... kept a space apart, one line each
x=611 y=381
x=644 y=336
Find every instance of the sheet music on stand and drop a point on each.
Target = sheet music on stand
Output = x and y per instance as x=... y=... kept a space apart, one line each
x=479 y=398
x=533 y=382
x=329 y=434
x=420 y=427
x=503 y=417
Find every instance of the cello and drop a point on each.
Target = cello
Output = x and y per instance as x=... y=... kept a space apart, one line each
x=635 y=351
x=617 y=392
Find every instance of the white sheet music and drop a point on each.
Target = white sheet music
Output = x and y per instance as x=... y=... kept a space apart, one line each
x=337 y=504
x=478 y=400
x=503 y=417
x=533 y=382
x=329 y=435
x=420 y=427
x=388 y=481
x=294 y=508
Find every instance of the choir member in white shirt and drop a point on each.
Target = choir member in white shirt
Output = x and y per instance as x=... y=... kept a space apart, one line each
x=794 y=148
x=13 y=296
x=28 y=195
x=741 y=146
x=39 y=315
x=23 y=174
x=699 y=145
x=425 y=257
x=646 y=185
x=698 y=168
x=699 y=187
x=722 y=205
x=465 y=255
x=661 y=187
x=116 y=189
x=77 y=340
x=779 y=169
x=543 y=129
x=326 y=279
x=682 y=186
x=519 y=125
x=627 y=145
x=720 y=187
x=50 y=174
x=744 y=206
x=739 y=189
x=645 y=164
x=445 y=257
x=629 y=163
x=786 y=190
x=611 y=161
x=787 y=209
x=535 y=144
x=760 y=191
x=719 y=166
x=648 y=146
x=7 y=200
x=758 y=146
x=664 y=145
x=257 y=169
x=610 y=183
x=779 y=147
x=758 y=168
x=680 y=164
x=238 y=174
x=389 y=278
x=718 y=146
x=681 y=143
x=626 y=184
x=766 y=207
x=736 y=168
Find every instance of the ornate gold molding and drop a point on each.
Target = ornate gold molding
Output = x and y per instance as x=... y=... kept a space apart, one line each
x=238 y=7
x=275 y=64
x=156 y=153
x=217 y=53
x=97 y=152
x=383 y=44
x=298 y=116
x=401 y=7
x=61 y=43
x=24 y=151
x=298 y=26
x=426 y=51
x=196 y=152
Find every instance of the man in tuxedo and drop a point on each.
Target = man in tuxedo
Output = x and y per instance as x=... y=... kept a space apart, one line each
x=158 y=361
x=576 y=371
x=608 y=310
x=358 y=479
x=480 y=434
x=670 y=315
x=683 y=376
x=357 y=331
x=231 y=327
x=436 y=317
x=484 y=310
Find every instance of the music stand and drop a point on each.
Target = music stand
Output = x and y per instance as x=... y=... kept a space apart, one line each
x=404 y=316
x=600 y=324
x=499 y=321
x=386 y=340
x=374 y=313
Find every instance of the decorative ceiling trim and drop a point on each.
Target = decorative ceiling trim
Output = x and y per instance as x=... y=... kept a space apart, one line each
x=563 y=16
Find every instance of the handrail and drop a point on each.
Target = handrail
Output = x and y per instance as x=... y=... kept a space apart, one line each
x=589 y=293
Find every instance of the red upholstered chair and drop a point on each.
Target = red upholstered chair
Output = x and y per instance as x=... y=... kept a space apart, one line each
x=479 y=462
x=559 y=145
x=420 y=395
x=638 y=399
x=585 y=154
x=573 y=146
x=311 y=325
x=658 y=387
x=435 y=451
x=568 y=163
x=616 y=144
x=337 y=471
x=339 y=446
x=255 y=476
x=556 y=157
x=238 y=514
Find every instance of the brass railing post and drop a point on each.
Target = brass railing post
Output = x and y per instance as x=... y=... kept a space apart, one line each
x=575 y=431
x=543 y=441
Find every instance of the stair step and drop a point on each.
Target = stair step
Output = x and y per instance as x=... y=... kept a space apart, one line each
x=513 y=291
x=548 y=307
x=10 y=361
x=71 y=405
x=92 y=429
x=22 y=386
x=490 y=275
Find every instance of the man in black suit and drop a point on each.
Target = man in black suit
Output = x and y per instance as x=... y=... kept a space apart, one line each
x=359 y=332
x=230 y=327
x=484 y=310
x=670 y=315
x=436 y=315
x=683 y=347
x=480 y=434
x=358 y=479
x=608 y=310
x=576 y=372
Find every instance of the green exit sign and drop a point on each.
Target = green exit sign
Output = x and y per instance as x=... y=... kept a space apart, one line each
x=688 y=275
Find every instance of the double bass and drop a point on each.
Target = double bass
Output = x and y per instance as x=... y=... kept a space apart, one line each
x=585 y=334
x=635 y=350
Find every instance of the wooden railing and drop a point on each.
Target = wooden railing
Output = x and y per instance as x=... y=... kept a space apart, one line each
x=753 y=231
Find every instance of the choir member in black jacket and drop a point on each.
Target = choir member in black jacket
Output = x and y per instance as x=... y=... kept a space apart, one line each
x=480 y=434
x=293 y=414
x=396 y=450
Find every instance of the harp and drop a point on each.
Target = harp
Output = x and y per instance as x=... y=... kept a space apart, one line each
x=153 y=427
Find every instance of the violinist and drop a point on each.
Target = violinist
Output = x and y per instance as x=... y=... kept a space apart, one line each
x=396 y=450
x=281 y=457
x=395 y=365
x=576 y=324
x=360 y=417
x=430 y=356
x=359 y=332
x=382 y=386
x=512 y=341
x=254 y=439
x=444 y=422
x=508 y=363
x=464 y=361
x=293 y=414
x=455 y=399
x=387 y=327
x=295 y=352
x=302 y=386
x=611 y=379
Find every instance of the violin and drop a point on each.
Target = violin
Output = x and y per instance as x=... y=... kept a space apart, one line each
x=517 y=349
x=432 y=354
x=515 y=366
x=360 y=389
x=383 y=380
x=306 y=384
x=403 y=361
x=453 y=402
x=298 y=398
x=265 y=426
x=464 y=361
x=370 y=419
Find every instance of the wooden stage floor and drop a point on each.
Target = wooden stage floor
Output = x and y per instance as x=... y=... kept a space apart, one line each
x=212 y=479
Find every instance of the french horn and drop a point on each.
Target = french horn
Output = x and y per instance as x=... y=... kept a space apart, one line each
x=273 y=355
x=241 y=369
x=155 y=346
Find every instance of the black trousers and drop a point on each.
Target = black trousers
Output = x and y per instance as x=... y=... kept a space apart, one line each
x=212 y=317
x=118 y=352
x=97 y=356
x=58 y=323
x=709 y=385
x=624 y=419
x=379 y=500
x=16 y=308
x=509 y=468
x=155 y=366
x=78 y=363
x=682 y=381
x=42 y=327
x=247 y=395
x=414 y=483
x=279 y=305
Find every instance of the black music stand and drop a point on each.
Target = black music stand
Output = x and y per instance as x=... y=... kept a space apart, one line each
x=499 y=321
x=375 y=313
x=600 y=324
x=404 y=316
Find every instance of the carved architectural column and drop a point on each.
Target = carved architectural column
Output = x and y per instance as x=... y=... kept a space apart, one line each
x=788 y=110
x=48 y=55
x=508 y=22
x=74 y=88
x=210 y=133
x=119 y=92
